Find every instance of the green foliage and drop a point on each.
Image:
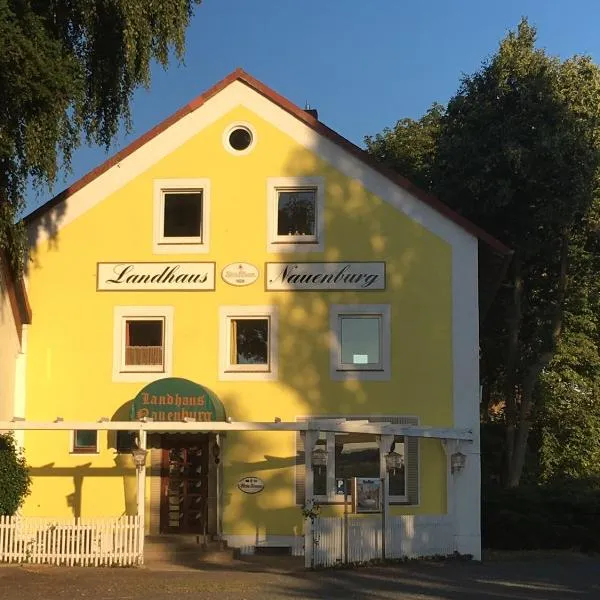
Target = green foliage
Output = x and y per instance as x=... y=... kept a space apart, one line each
x=14 y=476
x=411 y=146
x=563 y=515
x=69 y=69
x=516 y=151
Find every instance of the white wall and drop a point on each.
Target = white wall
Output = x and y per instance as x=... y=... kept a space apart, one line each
x=9 y=350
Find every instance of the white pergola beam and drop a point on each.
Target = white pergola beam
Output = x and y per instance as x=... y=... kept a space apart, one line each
x=333 y=425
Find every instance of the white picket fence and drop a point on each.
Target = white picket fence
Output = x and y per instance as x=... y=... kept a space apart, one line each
x=407 y=536
x=70 y=542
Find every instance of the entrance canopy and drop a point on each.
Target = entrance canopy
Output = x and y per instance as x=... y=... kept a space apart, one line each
x=176 y=400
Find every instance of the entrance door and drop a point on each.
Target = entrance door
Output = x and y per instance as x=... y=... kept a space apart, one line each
x=184 y=483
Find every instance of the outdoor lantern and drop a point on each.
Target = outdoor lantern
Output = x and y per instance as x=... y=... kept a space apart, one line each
x=139 y=457
x=393 y=461
x=457 y=462
x=319 y=457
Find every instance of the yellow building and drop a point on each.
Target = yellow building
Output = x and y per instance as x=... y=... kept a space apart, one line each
x=242 y=261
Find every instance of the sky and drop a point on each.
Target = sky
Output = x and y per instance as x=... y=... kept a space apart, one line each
x=362 y=64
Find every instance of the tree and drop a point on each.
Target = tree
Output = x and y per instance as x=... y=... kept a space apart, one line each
x=67 y=70
x=14 y=477
x=410 y=148
x=516 y=151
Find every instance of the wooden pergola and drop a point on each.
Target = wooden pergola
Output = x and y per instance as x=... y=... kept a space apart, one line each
x=309 y=429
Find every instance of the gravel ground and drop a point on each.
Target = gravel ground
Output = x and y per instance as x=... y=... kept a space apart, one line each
x=561 y=578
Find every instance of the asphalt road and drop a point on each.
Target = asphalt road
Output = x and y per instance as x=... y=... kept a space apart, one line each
x=547 y=579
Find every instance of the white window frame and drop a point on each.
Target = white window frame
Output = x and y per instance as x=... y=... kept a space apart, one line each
x=122 y=373
x=343 y=372
x=72 y=449
x=234 y=372
x=331 y=497
x=277 y=243
x=183 y=245
x=239 y=125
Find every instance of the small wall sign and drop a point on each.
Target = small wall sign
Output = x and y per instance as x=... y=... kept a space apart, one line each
x=239 y=274
x=251 y=485
x=156 y=276
x=357 y=276
x=366 y=495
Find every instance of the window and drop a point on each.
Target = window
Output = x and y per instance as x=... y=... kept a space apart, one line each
x=181 y=214
x=85 y=441
x=182 y=220
x=239 y=138
x=142 y=342
x=360 y=345
x=361 y=455
x=295 y=214
x=248 y=343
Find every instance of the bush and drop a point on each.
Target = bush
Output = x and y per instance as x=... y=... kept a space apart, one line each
x=14 y=477
x=559 y=515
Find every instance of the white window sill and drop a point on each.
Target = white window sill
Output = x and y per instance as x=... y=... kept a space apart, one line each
x=181 y=249
x=247 y=376
x=344 y=375
x=297 y=247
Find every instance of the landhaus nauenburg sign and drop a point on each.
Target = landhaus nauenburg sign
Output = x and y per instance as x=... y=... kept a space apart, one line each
x=176 y=399
x=182 y=276
x=359 y=276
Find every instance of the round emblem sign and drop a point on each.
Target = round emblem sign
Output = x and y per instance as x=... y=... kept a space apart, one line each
x=239 y=274
x=251 y=485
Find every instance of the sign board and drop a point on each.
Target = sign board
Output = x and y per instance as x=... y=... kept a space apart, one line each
x=367 y=495
x=156 y=276
x=251 y=485
x=239 y=274
x=176 y=399
x=312 y=276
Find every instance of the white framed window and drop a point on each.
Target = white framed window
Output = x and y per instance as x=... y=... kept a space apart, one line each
x=84 y=441
x=362 y=455
x=360 y=341
x=239 y=138
x=248 y=343
x=295 y=214
x=143 y=342
x=181 y=216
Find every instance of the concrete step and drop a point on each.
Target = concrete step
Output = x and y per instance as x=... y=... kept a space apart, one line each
x=184 y=549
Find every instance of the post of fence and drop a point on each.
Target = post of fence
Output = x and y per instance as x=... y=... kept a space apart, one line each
x=310 y=439
x=385 y=514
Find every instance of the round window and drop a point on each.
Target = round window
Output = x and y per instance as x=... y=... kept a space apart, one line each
x=240 y=138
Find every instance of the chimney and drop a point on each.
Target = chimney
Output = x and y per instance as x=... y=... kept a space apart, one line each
x=313 y=112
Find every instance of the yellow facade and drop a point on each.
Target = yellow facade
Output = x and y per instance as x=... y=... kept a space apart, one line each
x=70 y=345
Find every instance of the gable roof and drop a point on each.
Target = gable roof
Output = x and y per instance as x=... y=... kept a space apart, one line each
x=302 y=115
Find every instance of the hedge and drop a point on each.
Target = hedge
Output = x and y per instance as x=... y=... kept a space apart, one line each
x=562 y=515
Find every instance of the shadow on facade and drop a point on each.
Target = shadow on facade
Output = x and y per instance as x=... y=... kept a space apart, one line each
x=123 y=468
